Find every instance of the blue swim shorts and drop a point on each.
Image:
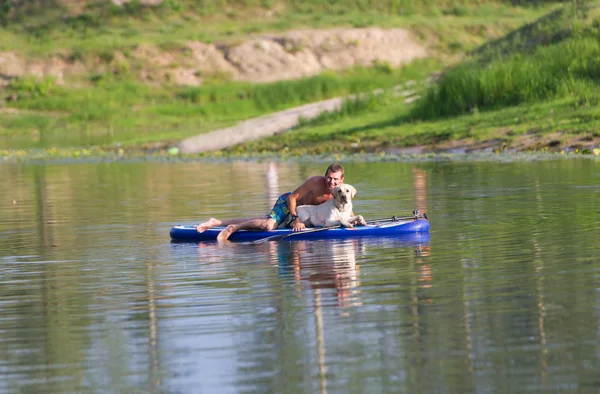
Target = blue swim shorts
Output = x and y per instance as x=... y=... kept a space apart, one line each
x=280 y=210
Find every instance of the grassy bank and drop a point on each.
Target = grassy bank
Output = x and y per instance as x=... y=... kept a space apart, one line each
x=535 y=89
x=530 y=87
x=131 y=113
x=107 y=104
x=88 y=29
x=558 y=125
x=561 y=61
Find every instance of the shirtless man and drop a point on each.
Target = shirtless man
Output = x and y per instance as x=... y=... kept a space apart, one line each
x=316 y=190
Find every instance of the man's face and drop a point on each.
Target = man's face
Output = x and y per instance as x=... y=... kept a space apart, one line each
x=334 y=179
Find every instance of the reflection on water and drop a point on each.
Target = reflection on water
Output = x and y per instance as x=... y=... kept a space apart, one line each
x=501 y=296
x=324 y=265
x=321 y=277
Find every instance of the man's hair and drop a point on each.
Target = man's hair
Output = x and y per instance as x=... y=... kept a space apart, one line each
x=335 y=167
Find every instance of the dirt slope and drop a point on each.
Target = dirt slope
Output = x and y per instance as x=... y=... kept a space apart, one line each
x=260 y=58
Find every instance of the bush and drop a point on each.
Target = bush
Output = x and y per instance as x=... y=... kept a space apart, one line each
x=30 y=86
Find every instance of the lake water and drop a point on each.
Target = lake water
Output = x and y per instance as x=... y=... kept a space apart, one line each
x=504 y=296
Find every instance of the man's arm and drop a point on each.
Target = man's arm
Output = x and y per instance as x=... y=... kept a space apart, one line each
x=297 y=194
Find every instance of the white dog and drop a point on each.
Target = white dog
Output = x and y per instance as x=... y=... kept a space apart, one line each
x=335 y=212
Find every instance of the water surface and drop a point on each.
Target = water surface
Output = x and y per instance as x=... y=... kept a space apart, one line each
x=502 y=297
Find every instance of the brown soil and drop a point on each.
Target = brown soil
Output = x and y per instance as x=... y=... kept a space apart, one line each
x=261 y=58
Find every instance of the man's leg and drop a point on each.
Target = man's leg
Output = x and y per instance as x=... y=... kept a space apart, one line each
x=265 y=224
x=212 y=222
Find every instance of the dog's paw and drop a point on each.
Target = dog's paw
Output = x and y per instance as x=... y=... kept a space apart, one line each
x=346 y=224
x=360 y=220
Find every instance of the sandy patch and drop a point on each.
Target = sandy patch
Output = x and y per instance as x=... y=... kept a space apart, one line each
x=304 y=53
x=261 y=58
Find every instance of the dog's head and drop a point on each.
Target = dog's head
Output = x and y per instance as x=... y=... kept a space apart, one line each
x=343 y=194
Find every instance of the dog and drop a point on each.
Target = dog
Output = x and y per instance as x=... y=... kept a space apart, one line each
x=334 y=212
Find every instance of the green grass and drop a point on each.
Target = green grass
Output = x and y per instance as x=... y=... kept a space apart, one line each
x=568 y=67
x=133 y=113
x=571 y=68
x=103 y=28
x=390 y=128
x=537 y=79
x=523 y=97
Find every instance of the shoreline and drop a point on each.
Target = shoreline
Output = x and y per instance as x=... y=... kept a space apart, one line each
x=409 y=154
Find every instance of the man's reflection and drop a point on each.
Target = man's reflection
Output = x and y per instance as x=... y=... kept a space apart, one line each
x=420 y=203
x=423 y=267
x=322 y=265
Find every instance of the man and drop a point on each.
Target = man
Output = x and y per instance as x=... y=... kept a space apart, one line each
x=316 y=190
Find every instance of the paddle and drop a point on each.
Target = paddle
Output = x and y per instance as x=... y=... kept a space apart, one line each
x=280 y=237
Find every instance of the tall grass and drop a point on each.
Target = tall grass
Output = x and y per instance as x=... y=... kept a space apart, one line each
x=274 y=95
x=571 y=67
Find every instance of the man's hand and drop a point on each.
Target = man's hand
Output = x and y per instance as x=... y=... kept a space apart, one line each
x=298 y=225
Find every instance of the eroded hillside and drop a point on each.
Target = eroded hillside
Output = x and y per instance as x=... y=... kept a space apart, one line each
x=260 y=58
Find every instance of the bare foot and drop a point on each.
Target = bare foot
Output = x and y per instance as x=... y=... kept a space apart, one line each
x=210 y=223
x=226 y=233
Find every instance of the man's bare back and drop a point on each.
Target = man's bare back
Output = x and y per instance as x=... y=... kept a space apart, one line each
x=315 y=190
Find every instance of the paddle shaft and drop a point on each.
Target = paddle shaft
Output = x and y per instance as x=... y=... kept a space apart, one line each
x=280 y=237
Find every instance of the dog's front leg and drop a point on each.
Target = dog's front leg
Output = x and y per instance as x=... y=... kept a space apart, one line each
x=343 y=223
x=304 y=215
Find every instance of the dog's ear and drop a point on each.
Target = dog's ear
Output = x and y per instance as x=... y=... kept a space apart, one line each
x=352 y=190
